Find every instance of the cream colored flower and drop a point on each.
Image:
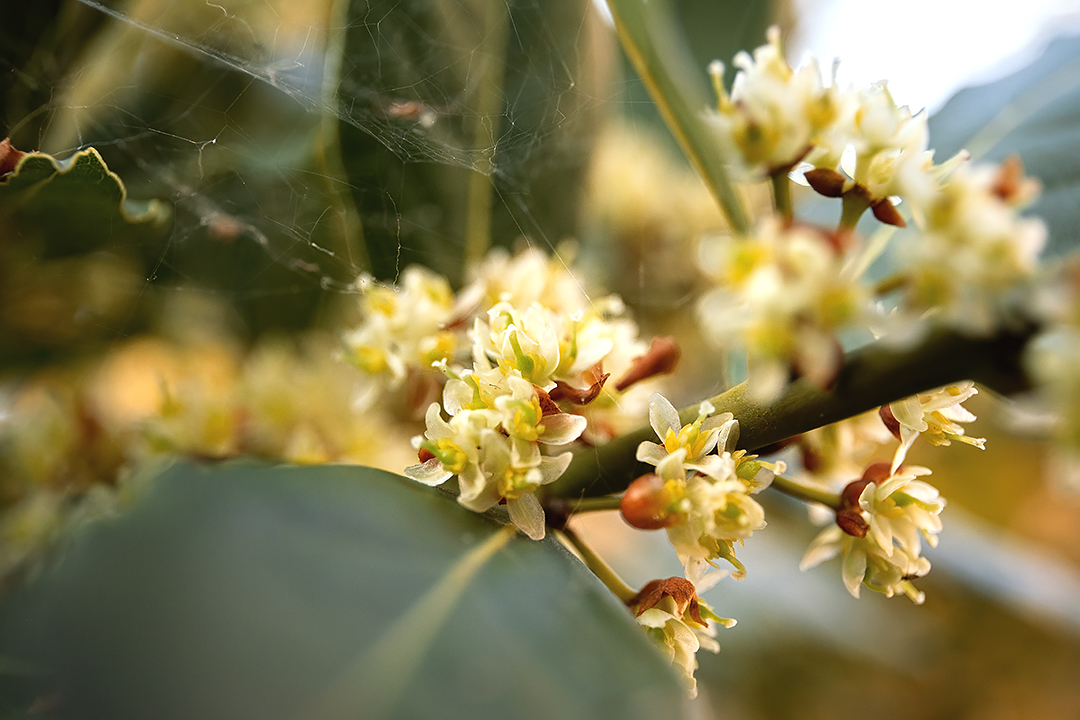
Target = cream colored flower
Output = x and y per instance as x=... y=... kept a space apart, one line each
x=975 y=261
x=881 y=543
x=783 y=294
x=679 y=622
x=774 y=113
x=936 y=416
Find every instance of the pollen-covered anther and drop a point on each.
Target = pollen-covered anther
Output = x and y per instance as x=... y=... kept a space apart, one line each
x=681 y=590
x=647 y=504
x=661 y=358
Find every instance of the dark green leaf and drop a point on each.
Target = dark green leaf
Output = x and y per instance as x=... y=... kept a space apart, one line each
x=245 y=591
x=75 y=205
x=1034 y=113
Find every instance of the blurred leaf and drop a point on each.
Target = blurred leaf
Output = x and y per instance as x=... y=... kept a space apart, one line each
x=242 y=590
x=1036 y=114
x=74 y=205
x=72 y=262
x=417 y=127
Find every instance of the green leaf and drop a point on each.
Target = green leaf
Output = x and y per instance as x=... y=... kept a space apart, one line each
x=74 y=254
x=1032 y=113
x=75 y=205
x=243 y=590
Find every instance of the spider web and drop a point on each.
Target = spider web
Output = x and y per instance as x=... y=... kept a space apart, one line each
x=304 y=143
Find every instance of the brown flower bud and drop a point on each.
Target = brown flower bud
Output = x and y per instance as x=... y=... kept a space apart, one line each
x=681 y=590
x=647 y=502
x=827 y=182
x=885 y=212
x=878 y=473
x=849 y=496
x=661 y=358
x=547 y=404
x=852 y=522
x=562 y=391
x=890 y=420
x=9 y=156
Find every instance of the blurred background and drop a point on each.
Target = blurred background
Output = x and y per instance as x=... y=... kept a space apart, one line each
x=272 y=152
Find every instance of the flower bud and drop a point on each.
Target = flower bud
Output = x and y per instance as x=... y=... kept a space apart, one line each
x=647 y=504
x=890 y=420
x=852 y=522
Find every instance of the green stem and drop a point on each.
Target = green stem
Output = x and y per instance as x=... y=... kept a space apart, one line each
x=805 y=493
x=659 y=55
x=871 y=376
x=781 y=186
x=854 y=204
x=596 y=564
x=893 y=282
x=488 y=111
x=346 y=217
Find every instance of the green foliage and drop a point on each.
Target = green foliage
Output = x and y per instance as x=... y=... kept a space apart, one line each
x=242 y=590
x=72 y=261
x=1031 y=113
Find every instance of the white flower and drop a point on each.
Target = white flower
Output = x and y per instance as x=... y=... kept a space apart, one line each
x=689 y=443
x=679 y=622
x=403 y=327
x=783 y=294
x=880 y=541
x=934 y=415
x=976 y=258
x=774 y=114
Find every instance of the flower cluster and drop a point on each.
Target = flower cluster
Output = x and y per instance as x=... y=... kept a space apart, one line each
x=787 y=292
x=702 y=498
x=878 y=529
x=774 y=114
x=973 y=263
x=538 y=379
x=783 y=294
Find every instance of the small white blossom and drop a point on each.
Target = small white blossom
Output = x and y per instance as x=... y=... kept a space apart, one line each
x=403 y=326
x=936 y=416
x=774 y=113
x=893 y=517
x=976 y=258
x=680 y=622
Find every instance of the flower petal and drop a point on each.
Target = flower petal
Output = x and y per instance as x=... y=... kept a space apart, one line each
x=663 y=416
x=430 y=473
x=562 y=428
x=528 y=515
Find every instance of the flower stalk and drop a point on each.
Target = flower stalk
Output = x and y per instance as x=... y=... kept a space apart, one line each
x=872 y=376
x=805 y=492
x=596 y=564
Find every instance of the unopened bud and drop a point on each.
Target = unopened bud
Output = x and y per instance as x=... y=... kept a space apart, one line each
x=852 y=522
x=890 y=420
x=887 y=213
x=661 y=358
x=878 y=473
x=646 y=504
x=827 y=182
